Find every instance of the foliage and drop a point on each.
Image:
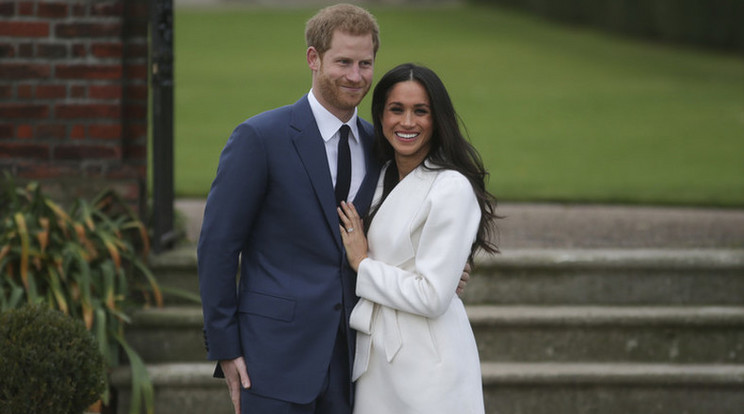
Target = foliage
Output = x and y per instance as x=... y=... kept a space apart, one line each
x=559 y=113
x=50 y=363
x=89 y=263
x=707 y=23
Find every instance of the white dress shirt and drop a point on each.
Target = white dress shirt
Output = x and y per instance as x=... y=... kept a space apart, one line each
x=328 y=125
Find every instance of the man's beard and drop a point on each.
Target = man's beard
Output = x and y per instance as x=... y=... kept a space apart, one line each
x=333 y=95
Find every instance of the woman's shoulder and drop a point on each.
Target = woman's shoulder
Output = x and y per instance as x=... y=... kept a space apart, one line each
x=445 y=175
x=446 y=182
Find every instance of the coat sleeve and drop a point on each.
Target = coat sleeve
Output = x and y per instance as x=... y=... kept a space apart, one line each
x=233 y=202
x=452 y=217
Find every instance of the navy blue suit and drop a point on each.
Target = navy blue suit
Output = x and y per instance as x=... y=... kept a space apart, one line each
x=272 y=209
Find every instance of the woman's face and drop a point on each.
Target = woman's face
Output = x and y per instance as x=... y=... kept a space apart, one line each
x=407 y=123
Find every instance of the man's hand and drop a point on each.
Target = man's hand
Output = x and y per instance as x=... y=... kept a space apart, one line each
x=464 y=278
x=236 y=375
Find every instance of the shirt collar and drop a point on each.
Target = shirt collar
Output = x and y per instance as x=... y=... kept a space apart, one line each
x=328 y=124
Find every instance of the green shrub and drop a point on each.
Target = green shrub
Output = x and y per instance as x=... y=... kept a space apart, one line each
x=49 y=362
x=88 y=262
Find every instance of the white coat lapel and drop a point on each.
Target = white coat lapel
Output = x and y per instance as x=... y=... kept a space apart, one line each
x=397 y=212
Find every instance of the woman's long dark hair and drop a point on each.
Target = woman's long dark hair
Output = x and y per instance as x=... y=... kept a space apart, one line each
x=448 y=147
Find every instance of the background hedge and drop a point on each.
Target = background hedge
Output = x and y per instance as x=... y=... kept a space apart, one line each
x=717 y=24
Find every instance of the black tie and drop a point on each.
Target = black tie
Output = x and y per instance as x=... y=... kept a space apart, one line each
x=343 y=172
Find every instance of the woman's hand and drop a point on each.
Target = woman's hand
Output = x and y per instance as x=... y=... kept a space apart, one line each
x=352 y=233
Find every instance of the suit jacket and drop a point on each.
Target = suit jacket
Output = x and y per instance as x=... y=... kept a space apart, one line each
x=272 y=209
x=415 y=347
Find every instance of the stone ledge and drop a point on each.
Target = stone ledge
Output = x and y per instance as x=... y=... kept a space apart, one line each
x=617 y=258
x=188 y=374
x=607 y=315
x=612 y=374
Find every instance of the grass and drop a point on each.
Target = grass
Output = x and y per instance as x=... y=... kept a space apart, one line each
x=558 y=113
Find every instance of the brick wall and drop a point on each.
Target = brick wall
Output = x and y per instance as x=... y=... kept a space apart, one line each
x=74 y=95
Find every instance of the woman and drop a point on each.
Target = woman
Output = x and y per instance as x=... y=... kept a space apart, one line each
x=415 y=349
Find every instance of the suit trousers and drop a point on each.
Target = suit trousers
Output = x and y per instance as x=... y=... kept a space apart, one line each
x=334 y=397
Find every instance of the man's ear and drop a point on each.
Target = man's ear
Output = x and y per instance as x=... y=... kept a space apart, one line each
x=313 y=58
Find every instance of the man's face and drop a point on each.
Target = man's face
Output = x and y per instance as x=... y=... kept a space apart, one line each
x=343 y=75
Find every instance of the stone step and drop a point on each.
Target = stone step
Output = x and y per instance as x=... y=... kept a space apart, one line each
x=176 y=272
x=179 y=388
x=609 y=334
x=609 y=277
x=168 y=334
x=521 y=333
x=579 y=277
x=534 y=388
x=571 y=388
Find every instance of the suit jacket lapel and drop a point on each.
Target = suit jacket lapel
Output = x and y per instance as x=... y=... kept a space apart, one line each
x=311 y=150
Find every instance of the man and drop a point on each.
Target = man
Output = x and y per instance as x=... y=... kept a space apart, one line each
x=282 y=335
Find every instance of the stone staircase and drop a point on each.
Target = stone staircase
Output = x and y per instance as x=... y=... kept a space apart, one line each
x=559 y=331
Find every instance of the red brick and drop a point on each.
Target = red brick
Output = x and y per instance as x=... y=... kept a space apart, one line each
x=78 y=91
x=104 y=50
x=52 y=10
x=136 y=152
x=24 y=91
x=24 y=71
x=88 y=71
x=51 y=91
x=138 y=92
x=109 y=131
x=84 y=152
x=51 y=51
x=17 y=110
x=105 y=92
x=93 y=170
x=37 y=170
x=79 y=50
x=6 y=92
x=138 y=29
x=137 y=50
x=87 y=111
x=136 y=8
x=24 y=29
x=7 y=8
x=26 y=50
x=135 y=111
x=26 y=8
x=107 y=9
x=78 y=10
x=68 y=30
x=15 y=150
x=126 y=171
x=7 y=50
x=135 y=131
x=77 y=132
x=6 y=131
x=25 y=131
x=51 y=131
x=136 y=71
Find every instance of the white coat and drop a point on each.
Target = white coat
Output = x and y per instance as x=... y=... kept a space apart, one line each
x=415 y=351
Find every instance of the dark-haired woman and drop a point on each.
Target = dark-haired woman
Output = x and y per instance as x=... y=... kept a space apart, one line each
x=416 y=352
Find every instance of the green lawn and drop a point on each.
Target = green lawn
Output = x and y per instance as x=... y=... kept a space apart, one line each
x=558 y=113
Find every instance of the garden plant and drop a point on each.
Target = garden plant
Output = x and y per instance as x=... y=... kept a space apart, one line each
x=88 y=262
x=49 y=362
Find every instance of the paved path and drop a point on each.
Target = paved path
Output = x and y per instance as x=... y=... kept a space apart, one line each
x=561 y=226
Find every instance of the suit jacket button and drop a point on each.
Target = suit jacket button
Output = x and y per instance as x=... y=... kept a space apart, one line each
x=337 y=307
